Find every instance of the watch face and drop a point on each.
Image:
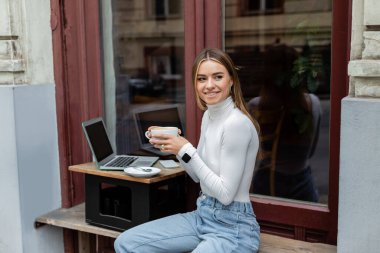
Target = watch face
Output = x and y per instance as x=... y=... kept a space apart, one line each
x=186 y=158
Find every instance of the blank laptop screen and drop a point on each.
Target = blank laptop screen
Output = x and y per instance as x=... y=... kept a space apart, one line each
x=98 y=138
x=162 y=117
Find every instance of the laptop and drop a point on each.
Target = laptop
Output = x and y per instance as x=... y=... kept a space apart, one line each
x=104 y=155
x=163 y=116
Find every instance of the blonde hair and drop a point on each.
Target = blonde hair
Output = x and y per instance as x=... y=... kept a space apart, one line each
x=217 y=55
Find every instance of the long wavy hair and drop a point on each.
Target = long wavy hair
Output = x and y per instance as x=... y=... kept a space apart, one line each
x=217 y=55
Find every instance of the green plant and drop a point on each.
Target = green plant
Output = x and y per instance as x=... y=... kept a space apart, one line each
x=306 y=69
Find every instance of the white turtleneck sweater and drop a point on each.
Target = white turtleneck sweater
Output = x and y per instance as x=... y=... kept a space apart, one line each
x=225 y=158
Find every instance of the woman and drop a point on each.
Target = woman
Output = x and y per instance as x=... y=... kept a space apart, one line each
x=299 y=129
x=223 y=163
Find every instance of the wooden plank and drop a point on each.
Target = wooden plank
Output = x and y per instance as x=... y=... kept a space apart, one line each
x=74 y=218
x=90 y=168
x=84 y=245
x=277 y=244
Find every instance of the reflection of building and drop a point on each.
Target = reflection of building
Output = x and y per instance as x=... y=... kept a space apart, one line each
x=293 y=23
x=40 y=115
x=146 y=52
x=148 y=42
x=150 y=35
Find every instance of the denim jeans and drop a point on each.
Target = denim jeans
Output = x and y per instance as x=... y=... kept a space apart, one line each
x=213 y=227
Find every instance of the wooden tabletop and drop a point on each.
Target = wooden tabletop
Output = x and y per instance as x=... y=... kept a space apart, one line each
x=90 y=168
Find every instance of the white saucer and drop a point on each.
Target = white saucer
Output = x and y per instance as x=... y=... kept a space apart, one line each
x=134 y=172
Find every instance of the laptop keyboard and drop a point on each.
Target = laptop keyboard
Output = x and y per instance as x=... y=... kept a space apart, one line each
x=122 y=161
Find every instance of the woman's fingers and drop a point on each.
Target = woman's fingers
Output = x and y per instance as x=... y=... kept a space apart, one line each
x=157 y=137
x=168 y=143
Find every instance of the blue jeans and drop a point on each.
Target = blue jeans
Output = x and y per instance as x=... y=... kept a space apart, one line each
x=213 y=227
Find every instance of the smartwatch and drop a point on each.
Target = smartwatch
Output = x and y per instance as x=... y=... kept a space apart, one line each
x=186 y=158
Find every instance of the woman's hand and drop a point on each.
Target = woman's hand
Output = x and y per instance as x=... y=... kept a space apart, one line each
x=168 y=143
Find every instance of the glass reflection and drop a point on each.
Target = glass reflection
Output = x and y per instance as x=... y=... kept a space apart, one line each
x=283 y=51
x=143 y=64
x=289 y=117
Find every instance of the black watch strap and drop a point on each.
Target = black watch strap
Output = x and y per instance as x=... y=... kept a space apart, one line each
x=186 y=158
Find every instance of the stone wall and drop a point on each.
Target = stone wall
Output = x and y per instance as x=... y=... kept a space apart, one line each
x=364 y=67
x=12 y=64
x=26 y=55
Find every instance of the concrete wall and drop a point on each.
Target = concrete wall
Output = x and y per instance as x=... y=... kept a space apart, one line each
x=10 y=213
x=359 y=198
x=29 y=171
x=359 y=192
x=29 y=164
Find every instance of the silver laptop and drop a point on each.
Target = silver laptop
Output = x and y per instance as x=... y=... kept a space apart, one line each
x=163 y=116
x=103 y=152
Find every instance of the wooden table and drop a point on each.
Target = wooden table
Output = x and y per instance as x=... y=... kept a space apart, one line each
x=90 y=169
x=118 y=201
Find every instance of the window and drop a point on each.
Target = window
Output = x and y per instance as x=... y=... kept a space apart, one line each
x=162 y=9
x=285 y=66
x=142 y=66
x=256 y=7
x=302 y=46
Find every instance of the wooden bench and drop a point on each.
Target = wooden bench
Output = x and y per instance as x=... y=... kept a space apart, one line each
x=74 y=218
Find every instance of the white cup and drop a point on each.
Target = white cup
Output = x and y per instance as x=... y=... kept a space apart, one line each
x=162 y=130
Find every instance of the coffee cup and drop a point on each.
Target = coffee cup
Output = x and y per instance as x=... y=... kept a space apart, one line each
x=161 y=130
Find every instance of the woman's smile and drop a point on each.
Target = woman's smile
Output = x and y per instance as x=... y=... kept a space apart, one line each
x=211 y=94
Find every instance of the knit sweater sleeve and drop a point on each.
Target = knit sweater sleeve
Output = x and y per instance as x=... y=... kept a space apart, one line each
x=235 y=142
x=190 y=150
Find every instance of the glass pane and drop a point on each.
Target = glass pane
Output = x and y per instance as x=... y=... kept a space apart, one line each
x=142 y=69
x=159 y=8
x=283 y=53
x=174 y=7
x=254 y=5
